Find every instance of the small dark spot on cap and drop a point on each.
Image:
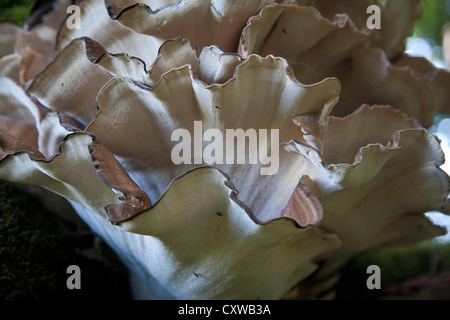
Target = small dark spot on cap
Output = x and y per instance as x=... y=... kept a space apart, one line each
x=219 y=214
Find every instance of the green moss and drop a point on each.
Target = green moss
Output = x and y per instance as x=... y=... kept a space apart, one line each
x=434 y=18
x=28 y=238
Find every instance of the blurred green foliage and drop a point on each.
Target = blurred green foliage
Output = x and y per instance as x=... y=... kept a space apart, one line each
x=15 y=10
x=435 y=16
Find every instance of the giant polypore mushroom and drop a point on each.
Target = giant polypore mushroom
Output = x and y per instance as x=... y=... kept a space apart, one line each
x=354 y=167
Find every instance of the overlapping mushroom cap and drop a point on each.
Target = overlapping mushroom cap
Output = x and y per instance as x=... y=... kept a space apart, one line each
x=97 y=127
x=369 y=75
x=26 y=51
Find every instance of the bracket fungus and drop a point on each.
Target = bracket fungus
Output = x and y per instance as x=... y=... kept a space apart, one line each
x=356 y=168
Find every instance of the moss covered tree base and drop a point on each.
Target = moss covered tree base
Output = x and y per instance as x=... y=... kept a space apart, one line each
x=15 y=11
x=36 y=248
